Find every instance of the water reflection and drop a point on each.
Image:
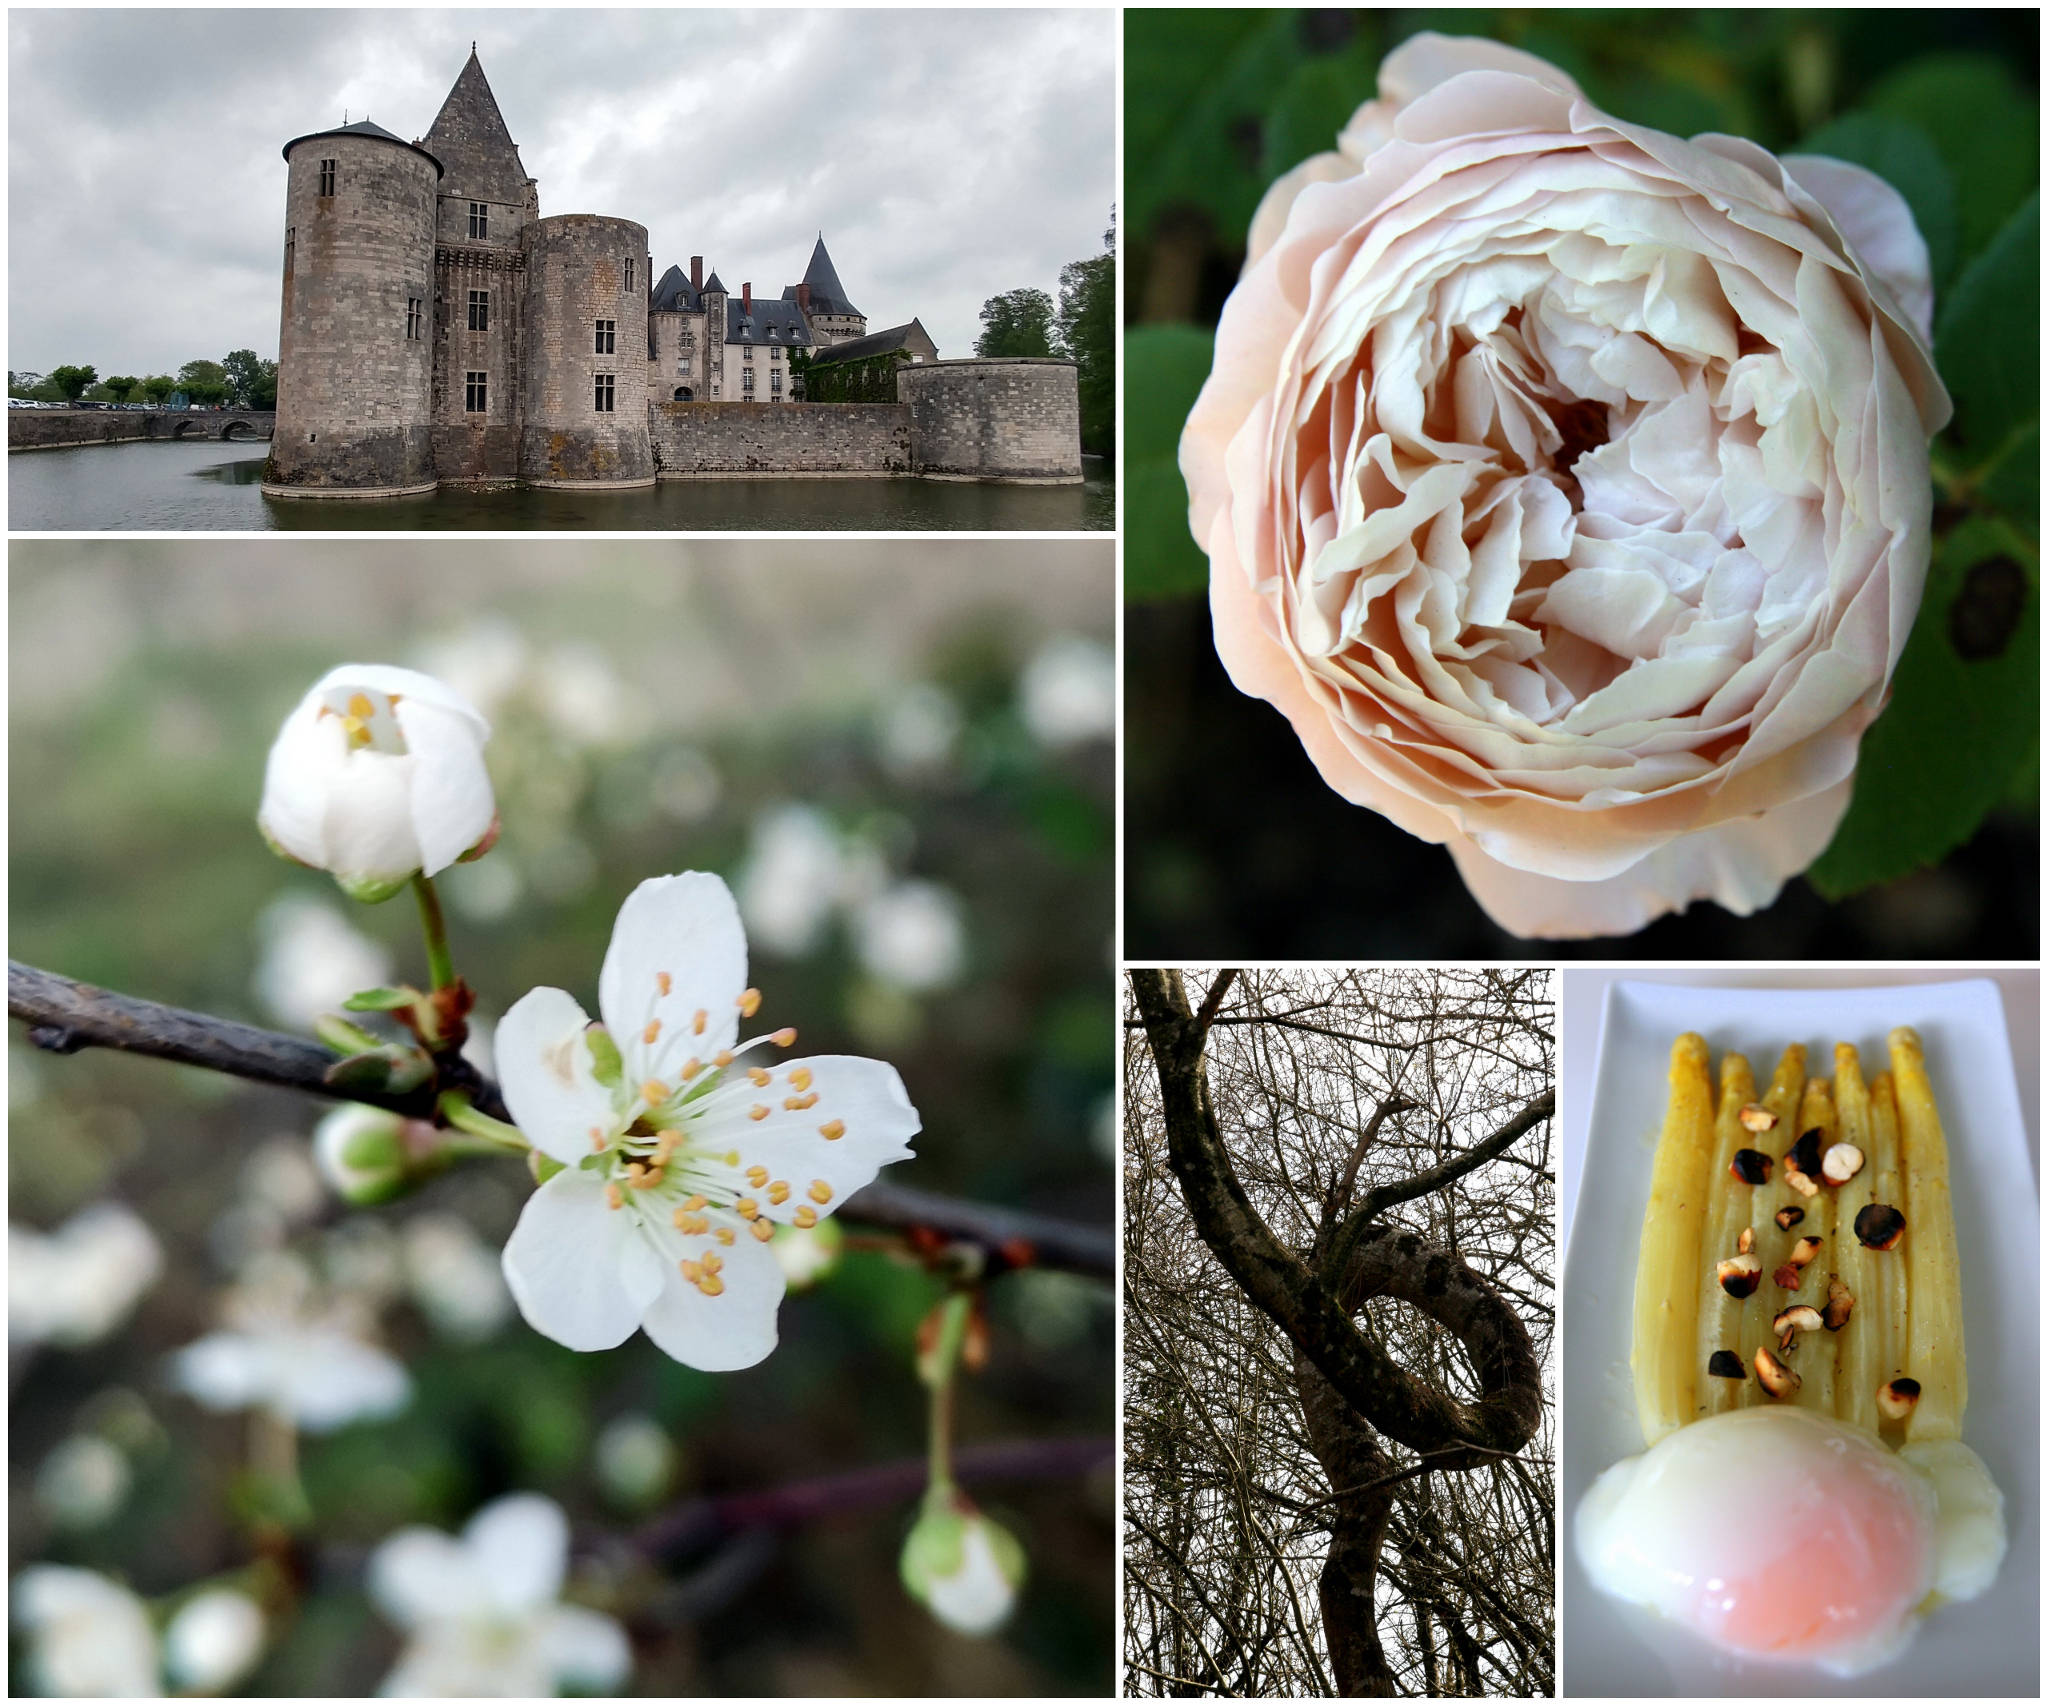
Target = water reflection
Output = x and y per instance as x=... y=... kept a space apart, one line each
x=185 y=486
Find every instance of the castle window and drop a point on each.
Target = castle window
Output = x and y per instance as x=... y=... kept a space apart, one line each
x=473 y=393
x=774 y=352
x=415 y=315
x=746 y=352
x=327 y=177
x=479 y=219
x=479 y=310
x=775 y=383
x=747 y=384
x=629 y=275
x=604 y=393
x=607 y=337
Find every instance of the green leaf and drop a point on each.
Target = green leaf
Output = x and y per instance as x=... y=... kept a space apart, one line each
x=1900 y=153
x=1988 y=338
x=387 y=1000
x=2012 y=484
x=1959 y=733
x=1987 y=133
x=1164 y=367
x=1199 y=88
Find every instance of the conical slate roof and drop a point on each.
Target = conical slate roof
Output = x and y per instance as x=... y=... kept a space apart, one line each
x=712 y=283
x=470 y=140
x=362 y=127
x=828 y=295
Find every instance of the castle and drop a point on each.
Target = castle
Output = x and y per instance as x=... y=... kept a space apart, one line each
x=436 y=329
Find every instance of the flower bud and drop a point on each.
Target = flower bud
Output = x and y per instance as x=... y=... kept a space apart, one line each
x=213 y=1641
x=636 y=1461
x=376 y=776
x=964 y=1569
x=364 y=1154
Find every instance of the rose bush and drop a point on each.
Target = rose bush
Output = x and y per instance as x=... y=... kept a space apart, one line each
x=1565 y=483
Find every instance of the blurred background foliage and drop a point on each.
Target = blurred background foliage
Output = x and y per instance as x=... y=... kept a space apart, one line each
x=898 y=754
x=1943 y=859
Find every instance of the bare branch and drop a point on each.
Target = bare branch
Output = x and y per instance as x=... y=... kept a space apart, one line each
x=64 y=1016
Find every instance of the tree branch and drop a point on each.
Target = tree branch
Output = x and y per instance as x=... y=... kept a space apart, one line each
x=704 y=1522
x=65 y=1016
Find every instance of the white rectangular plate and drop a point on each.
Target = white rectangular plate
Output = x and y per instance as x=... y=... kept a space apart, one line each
x=1989 y=1646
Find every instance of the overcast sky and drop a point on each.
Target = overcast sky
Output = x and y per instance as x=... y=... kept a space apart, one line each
x=947 y=156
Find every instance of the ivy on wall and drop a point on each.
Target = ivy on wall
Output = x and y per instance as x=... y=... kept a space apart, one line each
x=870 y=379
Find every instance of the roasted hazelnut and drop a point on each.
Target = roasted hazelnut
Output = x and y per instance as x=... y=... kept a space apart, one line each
x=1786 y=1277
x=1751 y=1166
x=1802 y=1183
x=1739 y=1275
x=1800 y=1318
x=1756 y=1117
x=1804 y=1251
x=1804 y=1156
x=1787 y=1218
x=1726 y=1365
x=1841 y=1163
x=1745 y=1241
x=1840 y=1301
x=1896 y=1398
x=1880 y=1226
x=1778 y=1380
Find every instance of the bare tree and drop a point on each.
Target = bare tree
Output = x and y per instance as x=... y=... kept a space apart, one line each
x=1327 y=1492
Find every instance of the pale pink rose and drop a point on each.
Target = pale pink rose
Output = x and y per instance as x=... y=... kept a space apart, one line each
x=1565 y=484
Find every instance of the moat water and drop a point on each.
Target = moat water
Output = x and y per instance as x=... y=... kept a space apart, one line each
x=211 y=487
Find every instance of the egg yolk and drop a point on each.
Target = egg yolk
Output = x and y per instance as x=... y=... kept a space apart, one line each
x=1777 y=1533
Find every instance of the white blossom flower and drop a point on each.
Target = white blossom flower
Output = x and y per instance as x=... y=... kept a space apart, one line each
x=377 y=775
x=213 y=1641
x=794 y=876
x=1068 y=693
x=83 y=1481
x=964 y=1569
x=455 y=1278
x=807 y=1254
x=483 y=1613
x=912 y=936
x=919 y=728
x=635 y=1459
x=277 y=1349
x=678 y=1153
x=74 y=1286
x=310 y=960
x=88 y=1636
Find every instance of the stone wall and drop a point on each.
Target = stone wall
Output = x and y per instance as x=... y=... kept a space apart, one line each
x=760 y=438
x=354 y=390
x=50 y=429
x=582 y=268
x=999 y=418
x=468 y=444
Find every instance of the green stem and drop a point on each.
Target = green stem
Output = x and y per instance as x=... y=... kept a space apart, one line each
x=440 y=964
x=955 y=1313
x=456 y=1110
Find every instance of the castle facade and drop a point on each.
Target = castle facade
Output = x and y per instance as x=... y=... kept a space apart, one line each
x=436 y=328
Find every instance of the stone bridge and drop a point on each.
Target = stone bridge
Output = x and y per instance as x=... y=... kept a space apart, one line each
x=51 y=429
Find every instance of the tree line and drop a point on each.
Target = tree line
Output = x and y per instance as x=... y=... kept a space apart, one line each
x=1080 y=326
x=242 y=380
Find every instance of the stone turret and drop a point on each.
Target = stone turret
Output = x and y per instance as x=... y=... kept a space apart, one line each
x=485 y=206
x=832 y=318
x=355 y=344
x=584 y=391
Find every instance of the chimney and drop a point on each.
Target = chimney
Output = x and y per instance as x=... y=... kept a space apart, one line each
x=803 y=297
x=696 y=272
x=747 y=299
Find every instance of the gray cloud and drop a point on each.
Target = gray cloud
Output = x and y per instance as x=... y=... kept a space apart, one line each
x=946 y=156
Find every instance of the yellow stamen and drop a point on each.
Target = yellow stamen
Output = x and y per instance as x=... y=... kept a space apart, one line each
x=691 y=1068
x=666 y=1143
x=800 y=1077
x=796 y=1104
x=646 y=1179
x=832 y=1130
x=722 y=1059
x=749 y=1003
x=713 y=1262
x=806 y=1216
x=746 y=1208
x=778 y=1193
x=820 y=1192
x=693 y=1225
x=784 y=1037
x=759 y=1111
x=596 y=1141
x=697 y=1023
x=614 y=1196
x=758 y=1077
x=654 y=1092
x=663 y=982
x=764 y=1230
x=757 y=1176
x=359 y=706
x=695 y=1203
x=723 y=1234
x=692 y=1271
x=711 y=1285
x=653 y=1030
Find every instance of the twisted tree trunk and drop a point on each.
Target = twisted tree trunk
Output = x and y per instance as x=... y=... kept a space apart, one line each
x=1352 y=1393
